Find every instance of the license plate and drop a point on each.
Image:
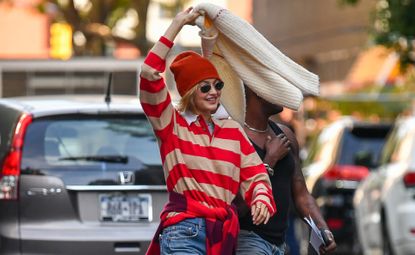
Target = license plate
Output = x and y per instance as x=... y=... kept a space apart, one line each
x=125 y=207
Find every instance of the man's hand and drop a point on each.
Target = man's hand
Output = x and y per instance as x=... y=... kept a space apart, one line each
x=331 y=244
x=260 y=213
x=276 y=148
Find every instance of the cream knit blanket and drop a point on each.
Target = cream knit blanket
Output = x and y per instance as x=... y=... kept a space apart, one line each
x=260 y=65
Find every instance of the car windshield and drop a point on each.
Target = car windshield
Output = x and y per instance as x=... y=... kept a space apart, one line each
x=362 y=146
x=85 y=150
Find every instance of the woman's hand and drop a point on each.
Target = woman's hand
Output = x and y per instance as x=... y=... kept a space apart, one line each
x=260 y=213
x=186 y=17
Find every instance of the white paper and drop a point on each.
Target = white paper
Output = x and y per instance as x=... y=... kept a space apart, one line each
x=316 y=240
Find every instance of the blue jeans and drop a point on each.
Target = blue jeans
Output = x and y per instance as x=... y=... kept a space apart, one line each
x=291 y=238
x=187 y=237
x=250 y=243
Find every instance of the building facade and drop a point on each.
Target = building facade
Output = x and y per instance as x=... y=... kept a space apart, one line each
x=322 y=35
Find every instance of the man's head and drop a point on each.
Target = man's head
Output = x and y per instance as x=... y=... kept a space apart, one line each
x=254 y=100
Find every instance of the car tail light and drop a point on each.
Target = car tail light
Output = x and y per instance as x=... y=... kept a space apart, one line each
x=409 y=179
x=334 y=223
x=346 y=172
x=10 y=170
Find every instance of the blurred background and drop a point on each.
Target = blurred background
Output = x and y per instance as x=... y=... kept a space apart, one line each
x=362 y=50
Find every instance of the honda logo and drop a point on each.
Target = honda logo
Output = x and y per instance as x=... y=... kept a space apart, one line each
x=126 y=177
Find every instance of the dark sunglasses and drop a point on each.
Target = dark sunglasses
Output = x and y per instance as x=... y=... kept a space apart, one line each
x=205 y=88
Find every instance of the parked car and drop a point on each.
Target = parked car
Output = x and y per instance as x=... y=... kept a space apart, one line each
x=341 y=156
x=385 y=201
x=78 y=176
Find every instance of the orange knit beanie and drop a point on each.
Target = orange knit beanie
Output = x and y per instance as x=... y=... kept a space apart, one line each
x=190 y=68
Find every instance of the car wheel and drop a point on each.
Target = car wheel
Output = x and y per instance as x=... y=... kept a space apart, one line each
x=386 y=244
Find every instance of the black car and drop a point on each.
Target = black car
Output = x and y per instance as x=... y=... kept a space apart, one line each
x=341 y=156
x=78 y=176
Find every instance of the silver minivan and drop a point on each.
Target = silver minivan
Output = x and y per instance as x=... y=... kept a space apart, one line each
x=78 y=176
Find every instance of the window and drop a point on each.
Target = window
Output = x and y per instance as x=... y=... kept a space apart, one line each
x=324 y=145
x=404 y=141
x=362 y=145
x=93 y=150
x=8 y=121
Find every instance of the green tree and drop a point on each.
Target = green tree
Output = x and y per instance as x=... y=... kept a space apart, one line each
x=99 y=24
x=394 y=27
x=94 y=22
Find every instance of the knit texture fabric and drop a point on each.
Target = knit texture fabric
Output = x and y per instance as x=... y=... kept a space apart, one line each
x=207 y=169
x=260 y=65
x=233 y=93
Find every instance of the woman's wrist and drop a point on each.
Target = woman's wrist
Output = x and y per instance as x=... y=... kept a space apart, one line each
x=172 y=31
x=179 y=22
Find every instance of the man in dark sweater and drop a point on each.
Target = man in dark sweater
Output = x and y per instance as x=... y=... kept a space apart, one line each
x=278 y=148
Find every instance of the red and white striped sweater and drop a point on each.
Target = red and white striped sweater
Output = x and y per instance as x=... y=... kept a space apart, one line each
x=207 y=168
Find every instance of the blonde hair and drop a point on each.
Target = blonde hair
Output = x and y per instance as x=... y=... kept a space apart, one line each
x=187 y=102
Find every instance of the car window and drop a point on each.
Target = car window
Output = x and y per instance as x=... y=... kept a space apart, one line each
x=404 y=144
x=389 y=147
x=87 y=150
x=362 y=146
x=324 y=145
x=8 y=121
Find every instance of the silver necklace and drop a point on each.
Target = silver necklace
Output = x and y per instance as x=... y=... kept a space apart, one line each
x=256 y=130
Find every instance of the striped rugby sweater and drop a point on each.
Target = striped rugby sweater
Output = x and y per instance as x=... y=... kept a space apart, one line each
x=209 y=169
